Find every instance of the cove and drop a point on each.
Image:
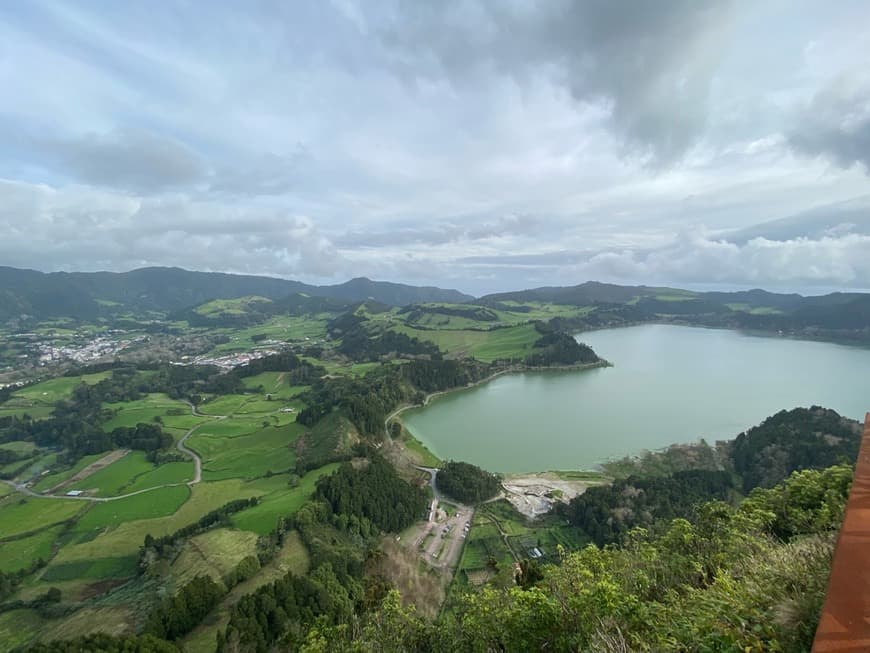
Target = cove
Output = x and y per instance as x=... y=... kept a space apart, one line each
x=669 y=384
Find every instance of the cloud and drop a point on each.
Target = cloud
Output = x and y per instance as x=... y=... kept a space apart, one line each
x=128 y=159
x=650 y=64
x=463 y=229
x=836 y=123
x=87 y=229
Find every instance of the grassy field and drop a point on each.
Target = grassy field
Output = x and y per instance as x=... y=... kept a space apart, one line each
x=145 y=410
x=278 y=500
x=245 y=455
x=21 y=553
x=112 y=620
x=148 y=505
x=284 y=327
x=95 y=569
x=214 y=553
x=18 y=446
x=113 y=479
x=19 y=514
x=18 y=627
x=51 y=391
x=9 y=409
x=425 y=457
x=127 y=536
x=131 y=473
x=238 y=306
x=512 y=342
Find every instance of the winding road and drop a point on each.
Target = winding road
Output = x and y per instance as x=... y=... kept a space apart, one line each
x=197 y=472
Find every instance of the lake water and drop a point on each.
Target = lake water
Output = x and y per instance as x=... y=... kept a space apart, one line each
x=668 y=384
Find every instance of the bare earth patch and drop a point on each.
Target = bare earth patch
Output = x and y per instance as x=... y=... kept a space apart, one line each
x=536 y=494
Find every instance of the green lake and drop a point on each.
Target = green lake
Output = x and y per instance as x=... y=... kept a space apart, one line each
x=668 y=384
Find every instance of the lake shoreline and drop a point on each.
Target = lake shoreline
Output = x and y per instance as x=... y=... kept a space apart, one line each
x=671 y=385
x=511 y=370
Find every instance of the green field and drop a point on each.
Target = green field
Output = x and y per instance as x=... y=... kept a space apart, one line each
x=278 y=500
x=214 y=553
x=51 y=391
x=19 y=627
x=148 y=505
x=18 y=446
x=425 y=457
x=19 y=514
x=290 y=328
x=127 y=536
x=487 y=346
x=131 y=473
x=95 y=569
x=21 y=553
x=238 y=306
x=246 y=455
x=144 y=411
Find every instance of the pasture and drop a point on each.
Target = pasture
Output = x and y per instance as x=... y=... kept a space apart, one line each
x=487 y=346
x=18 y=627
x=278 y=500
x=126 y=537
x=131 y=473
x=148 y=505
x=214 y=553
x=144 y=411
x=19 y=514
x=248 y=455
x=48 y=393
x=21 y=553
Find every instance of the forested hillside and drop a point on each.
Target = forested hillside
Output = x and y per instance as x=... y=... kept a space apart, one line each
x=87 y=295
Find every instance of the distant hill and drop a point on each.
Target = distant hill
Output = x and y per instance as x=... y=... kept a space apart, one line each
x=87 y=295
x=836 y=315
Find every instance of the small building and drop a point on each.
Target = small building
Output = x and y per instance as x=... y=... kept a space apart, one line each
x=74 y=493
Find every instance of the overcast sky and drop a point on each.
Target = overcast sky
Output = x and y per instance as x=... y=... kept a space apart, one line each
x=484 y=145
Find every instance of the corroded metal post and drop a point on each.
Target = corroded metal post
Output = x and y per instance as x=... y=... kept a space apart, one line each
x=845 y=620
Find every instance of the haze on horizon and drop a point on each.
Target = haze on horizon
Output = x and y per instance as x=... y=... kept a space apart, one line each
x=482 y=145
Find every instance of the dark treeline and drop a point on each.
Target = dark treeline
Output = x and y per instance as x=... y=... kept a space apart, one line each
x=467 y=483
x=606 y=513
x=436 y=376
x=366 y=402
x=802 y=438
x=556 y=347
x=179 y=614
x=358 y=345
x=106 y=644
x=763 y=456
x=154 y=548
x=371 y=489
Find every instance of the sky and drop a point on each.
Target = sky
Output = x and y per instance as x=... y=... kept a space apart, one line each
x=482 y=145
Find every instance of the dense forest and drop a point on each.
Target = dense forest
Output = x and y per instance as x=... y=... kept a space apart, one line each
x=763 y=456
x=790 y=440
x=467 y=483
